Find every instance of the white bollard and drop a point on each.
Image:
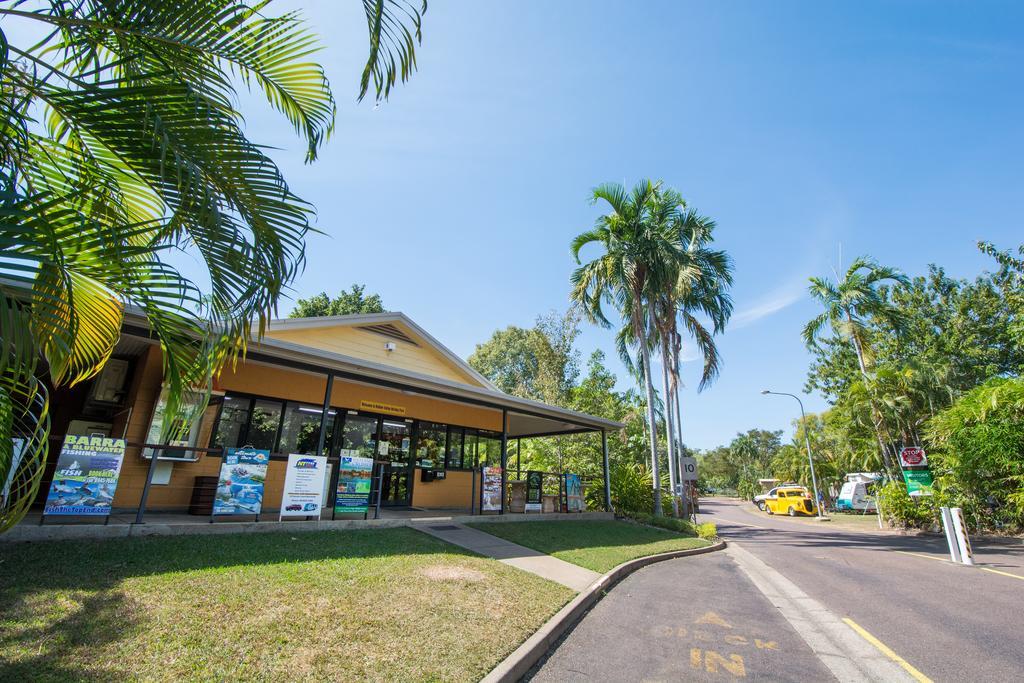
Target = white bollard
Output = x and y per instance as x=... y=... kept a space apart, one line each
x=947 y=526
x=963 y=542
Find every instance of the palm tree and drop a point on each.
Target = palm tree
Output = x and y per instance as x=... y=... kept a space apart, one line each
x=701 y=289
x=639 y=255
x=120 y=145
x=852 y=305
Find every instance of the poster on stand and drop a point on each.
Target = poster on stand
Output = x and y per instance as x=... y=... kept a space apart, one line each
x=573 y=493
x=355 y=479
x=491 y=489
x=303 y=485
x=534 y=489
x=86 y=476
x=243 y=473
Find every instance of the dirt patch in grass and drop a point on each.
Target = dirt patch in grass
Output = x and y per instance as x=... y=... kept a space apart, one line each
x=451 y=572
x=389 y=604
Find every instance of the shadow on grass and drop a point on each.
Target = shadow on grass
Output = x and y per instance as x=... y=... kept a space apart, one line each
x=98 y=564
x=103 y=618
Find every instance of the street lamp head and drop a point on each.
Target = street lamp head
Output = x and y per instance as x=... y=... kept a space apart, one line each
x=765 y=391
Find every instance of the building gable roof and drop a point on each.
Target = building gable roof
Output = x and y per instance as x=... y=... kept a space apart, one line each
x=356 y=335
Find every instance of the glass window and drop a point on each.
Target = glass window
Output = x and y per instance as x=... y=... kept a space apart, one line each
x=184 y=428
x=469 y=451
x=234 y=416
x=360 y=434
x=455 y=438
x=263 y=425
x=300 y=430
x=430 y=444
x=489 y=450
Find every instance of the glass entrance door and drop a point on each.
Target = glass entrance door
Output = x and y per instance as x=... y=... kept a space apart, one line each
x=396 y=453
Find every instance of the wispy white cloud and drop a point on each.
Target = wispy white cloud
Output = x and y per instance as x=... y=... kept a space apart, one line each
x=773 y=302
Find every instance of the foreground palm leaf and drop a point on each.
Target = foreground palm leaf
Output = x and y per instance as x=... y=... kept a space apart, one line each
x=120 y=143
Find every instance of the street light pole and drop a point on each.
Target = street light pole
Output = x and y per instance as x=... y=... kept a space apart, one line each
x=807 y=441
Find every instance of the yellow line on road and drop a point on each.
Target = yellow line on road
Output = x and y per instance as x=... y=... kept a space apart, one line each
x=887 y=651
x=943 y=559
x=996 y=571
x=927 y=557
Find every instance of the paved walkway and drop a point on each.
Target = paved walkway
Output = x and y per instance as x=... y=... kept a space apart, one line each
x=518 y=556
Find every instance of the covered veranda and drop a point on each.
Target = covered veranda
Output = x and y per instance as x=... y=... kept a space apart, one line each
x=156 y=491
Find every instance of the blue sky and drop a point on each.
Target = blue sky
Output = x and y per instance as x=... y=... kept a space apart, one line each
x=805 y=129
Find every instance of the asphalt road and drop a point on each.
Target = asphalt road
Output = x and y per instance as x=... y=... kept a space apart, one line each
x=951 y=622
x=696 y=618
x=703 y=618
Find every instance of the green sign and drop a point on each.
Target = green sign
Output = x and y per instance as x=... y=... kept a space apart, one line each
x=919 y=482
x=355 y=478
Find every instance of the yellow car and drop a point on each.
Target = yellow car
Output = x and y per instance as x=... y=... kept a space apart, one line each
x=792 y=500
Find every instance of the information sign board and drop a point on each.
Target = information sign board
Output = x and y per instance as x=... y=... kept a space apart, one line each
x=355 y=479
x=303 y=485
x=243 y=473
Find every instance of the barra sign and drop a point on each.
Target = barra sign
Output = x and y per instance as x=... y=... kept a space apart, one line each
x=86 y=476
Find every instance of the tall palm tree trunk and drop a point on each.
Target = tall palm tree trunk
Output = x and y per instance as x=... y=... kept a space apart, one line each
x=645 y=355
x=678 y=424
x=881 y=432
x=670 y=433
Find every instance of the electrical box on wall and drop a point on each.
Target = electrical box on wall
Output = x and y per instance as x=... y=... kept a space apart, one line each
x=431 y=475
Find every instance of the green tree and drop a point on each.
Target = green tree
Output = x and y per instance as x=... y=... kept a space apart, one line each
x=851 y=306
x=346 y=303
x=978 y=450
x=121 y=144
x=539 y=363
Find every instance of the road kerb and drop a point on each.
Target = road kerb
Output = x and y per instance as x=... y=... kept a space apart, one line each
x=515 y=666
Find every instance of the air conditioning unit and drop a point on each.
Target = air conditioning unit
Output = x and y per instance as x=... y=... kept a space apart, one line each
x=109 y=386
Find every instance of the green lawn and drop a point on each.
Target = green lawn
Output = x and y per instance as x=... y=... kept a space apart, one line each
x=597 y=545
x=388 y=604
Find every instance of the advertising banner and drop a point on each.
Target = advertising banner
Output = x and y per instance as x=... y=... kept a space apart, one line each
x=303 y=485
x=491 y=489
x=534 y=488
x=240 y=487
x=573 y=493
x=355 y=477
x=919 y=483
x=86 y=476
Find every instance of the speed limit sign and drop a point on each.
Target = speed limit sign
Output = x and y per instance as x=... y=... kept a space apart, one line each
x=688 y=469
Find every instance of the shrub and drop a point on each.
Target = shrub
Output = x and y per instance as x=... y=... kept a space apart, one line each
x=904 y=511
x=707 y=531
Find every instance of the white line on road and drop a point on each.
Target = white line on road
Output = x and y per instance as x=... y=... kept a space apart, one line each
x=848 y=656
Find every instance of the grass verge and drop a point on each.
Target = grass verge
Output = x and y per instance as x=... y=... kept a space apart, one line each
x=596 y=545
x=389 y=604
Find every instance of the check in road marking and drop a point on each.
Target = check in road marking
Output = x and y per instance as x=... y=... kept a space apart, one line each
x=887 y=651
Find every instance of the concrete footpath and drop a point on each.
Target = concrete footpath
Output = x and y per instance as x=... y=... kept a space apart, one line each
x=518 y=556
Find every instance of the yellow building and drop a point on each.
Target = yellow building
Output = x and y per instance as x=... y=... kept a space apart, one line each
x=376 y=385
